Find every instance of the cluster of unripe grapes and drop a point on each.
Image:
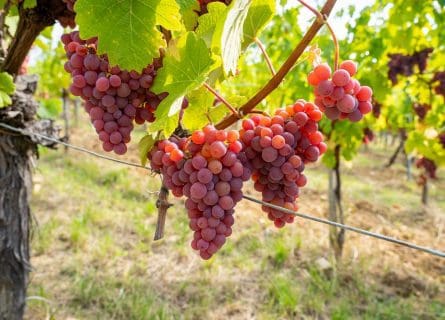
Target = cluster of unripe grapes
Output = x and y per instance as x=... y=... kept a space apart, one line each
x=114 y=98
x=277 y=148
x=337 y=94
x=207 y=170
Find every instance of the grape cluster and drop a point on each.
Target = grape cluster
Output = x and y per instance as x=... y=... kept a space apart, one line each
x=341 y=96
x=404 y=64
x=207 y=170
x=368 y=135
x=421 y=109
x=376 y=108
x=203 y=5
x=442 y=139
x=440 y=87
x=113 y=97
x=276 y=149
x=429 y=166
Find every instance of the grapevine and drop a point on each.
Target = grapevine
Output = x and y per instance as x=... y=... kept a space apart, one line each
x=210 y=166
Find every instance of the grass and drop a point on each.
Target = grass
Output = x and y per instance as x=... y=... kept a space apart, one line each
x=94 y=257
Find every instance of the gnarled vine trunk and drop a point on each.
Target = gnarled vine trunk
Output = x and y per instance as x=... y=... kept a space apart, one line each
x=17 y=154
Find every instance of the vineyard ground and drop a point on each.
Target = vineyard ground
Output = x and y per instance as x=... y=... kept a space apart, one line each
x=94 y=258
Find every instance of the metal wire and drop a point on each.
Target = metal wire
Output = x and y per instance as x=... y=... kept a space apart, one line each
x=301 y=215
x=27 y=133
x=350 y=228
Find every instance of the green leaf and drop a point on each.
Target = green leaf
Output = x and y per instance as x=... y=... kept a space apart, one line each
x=168 y=15
x=127 y=30
x=218 y=112
x=207 y=22
x=184 y=70
x=200 y=101
x=189 y=11
x=29 y=4
x=145 y=145
x=259 y=15
x=7 y=88
x=228 y=36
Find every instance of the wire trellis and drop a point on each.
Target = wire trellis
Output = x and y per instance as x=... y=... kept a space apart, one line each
x=249 y=198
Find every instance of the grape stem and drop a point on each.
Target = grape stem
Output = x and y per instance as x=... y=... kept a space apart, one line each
x=336 y=46
x=324 y=19
x=264 y=113
x=266 y=56
x=275 y=81
x=224 y=101
x=162 y=204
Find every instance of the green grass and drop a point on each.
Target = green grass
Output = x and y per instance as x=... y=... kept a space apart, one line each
x=94 y=257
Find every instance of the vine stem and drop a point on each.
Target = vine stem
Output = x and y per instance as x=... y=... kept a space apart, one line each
x=323 y=18
x=275 y=81
x=264 y=113
x=221 y=98
x=336 y=46
x=266 y=56
x=162 y=204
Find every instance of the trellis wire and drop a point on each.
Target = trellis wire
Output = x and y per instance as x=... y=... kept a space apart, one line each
x=249 y=198
x=27 y=133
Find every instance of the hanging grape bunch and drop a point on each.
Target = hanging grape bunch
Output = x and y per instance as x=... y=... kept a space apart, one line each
x=113 y=97
x=206 y=169
x=400 y=64
x=440 y=86
x=442 y=139
x=368 y=135
x=337 y=94
x=277 y=148
x=421 y=109
x=429 y=167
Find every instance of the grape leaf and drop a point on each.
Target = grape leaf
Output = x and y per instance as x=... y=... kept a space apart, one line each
x=145 y=145
x=127 y=30
x=7 y=88
x=259 y=15
x=167 y=14
x=189 y=11
x=228 y=35
x=184 y=70
x=207 y=22
x=29 y=4
x=200 y=101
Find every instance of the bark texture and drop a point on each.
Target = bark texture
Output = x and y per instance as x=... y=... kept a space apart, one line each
x=17 y=154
